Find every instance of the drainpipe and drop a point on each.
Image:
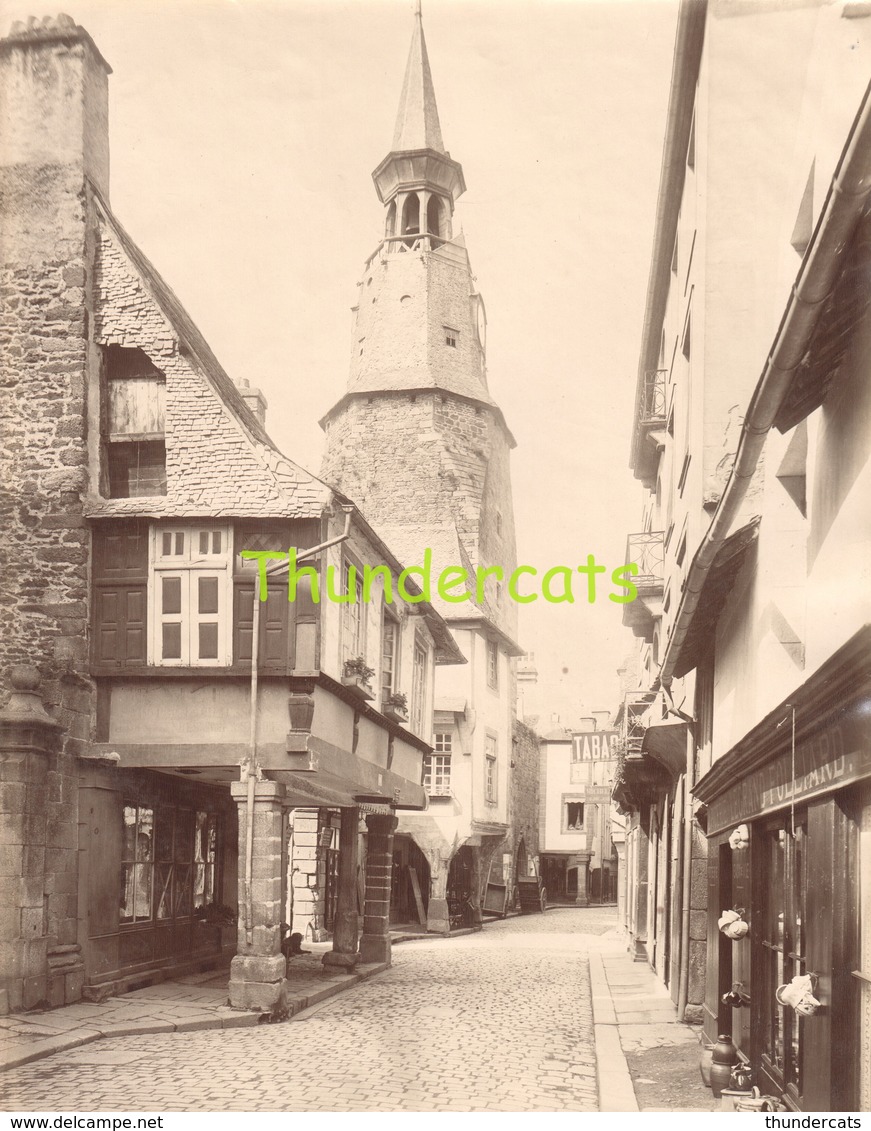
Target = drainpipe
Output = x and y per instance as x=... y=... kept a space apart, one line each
x=252 y=770
x=814 y=284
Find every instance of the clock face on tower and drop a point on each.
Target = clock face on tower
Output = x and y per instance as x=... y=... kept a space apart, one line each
x=481 y=321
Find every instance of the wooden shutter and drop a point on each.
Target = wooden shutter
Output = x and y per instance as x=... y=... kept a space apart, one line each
x=274 y=618
x=120 y=596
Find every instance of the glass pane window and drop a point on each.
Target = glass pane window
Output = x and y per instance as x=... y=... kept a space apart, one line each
x=389 y=647
x=190 y=610
x=492 y=663
x=137 y=863
x=437 y=775
x=352 y=613
x=490 y=767
x=418 y=687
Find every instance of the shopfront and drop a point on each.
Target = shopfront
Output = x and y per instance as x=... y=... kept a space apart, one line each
x=788 y=819
x=158 y=858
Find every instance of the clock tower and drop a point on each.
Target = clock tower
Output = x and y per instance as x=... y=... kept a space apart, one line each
x=419 y=443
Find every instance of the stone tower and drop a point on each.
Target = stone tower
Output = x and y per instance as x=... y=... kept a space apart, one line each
x=417 y=439
x=421 y=446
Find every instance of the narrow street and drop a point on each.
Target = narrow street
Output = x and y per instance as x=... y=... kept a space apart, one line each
x=498 y=1020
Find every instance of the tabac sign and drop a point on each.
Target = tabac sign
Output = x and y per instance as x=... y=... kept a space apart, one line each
x=594 y=745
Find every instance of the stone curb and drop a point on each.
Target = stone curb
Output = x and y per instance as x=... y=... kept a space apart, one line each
x=616 y=1092
x=75 y=1038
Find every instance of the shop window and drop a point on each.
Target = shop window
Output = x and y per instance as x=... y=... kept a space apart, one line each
x=133 y=423
x=492 y=664
x=491 y=784
x=169 y=865
x=191 y=586
x=783 y=901
x=137 y=864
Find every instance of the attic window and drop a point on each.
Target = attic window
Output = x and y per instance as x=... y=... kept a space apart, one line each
x=451 y=337
x=133 y=423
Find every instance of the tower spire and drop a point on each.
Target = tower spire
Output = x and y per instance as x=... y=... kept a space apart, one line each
x=417 y=122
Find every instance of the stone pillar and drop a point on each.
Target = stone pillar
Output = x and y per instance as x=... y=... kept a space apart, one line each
x=257 y=973
x=438 y=919
x=39 y=966
x=375 y=943
x=582 y=861
x=346 y=926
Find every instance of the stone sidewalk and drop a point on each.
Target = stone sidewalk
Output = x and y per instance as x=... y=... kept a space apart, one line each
x=184 y=1005
x=632 y=1013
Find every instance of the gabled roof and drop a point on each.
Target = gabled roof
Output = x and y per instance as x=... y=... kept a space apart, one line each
x=417 y=120
x=239 y=473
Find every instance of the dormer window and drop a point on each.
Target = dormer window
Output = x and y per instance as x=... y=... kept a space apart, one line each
x=133 y=424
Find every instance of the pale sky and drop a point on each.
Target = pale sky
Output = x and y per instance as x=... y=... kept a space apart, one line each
x=243 y=137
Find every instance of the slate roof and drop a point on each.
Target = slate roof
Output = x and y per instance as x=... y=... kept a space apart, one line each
x=417 y=121
x=277 y=487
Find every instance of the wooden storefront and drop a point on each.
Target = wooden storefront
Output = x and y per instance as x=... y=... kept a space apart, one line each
x=799 y=871
x=158 y=866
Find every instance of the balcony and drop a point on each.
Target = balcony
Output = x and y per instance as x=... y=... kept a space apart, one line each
x=647 y=551
x=651 y=411
x=650 y=427
x=653 y=750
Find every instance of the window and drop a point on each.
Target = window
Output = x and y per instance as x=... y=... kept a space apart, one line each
x=437 y=766
x=573 y=816
x=183 y=596
x=353 y=634
x=418 y=687
x=389 y=657
x=490 y=770
x=169 y=863
x=498 y=522
x=191 y=596
x=133 y=424
x=137 y=863
x=451 y=337
x=492 y=664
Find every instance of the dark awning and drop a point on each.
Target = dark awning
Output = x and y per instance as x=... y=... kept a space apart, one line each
x=718 y=584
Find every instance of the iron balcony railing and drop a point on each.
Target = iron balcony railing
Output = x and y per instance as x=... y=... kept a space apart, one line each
x=647 y=551
x=652 y=408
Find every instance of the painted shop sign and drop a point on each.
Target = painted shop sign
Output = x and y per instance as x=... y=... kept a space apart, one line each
x=595 y=745
x=826 y=761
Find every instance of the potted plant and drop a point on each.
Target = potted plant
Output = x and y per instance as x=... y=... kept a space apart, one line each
x=357 y=677
x=395 y=707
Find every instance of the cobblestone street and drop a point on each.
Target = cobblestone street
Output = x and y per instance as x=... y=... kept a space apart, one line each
x=499 y=1020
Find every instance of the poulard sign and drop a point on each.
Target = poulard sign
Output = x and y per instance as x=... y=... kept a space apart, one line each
x=594 y=745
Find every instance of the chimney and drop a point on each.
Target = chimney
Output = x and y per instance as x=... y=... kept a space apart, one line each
x=254 y=399
x=54 y=91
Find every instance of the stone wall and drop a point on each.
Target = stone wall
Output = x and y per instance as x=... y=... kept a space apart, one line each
x=426 y=459
x=52 y=137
